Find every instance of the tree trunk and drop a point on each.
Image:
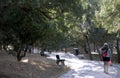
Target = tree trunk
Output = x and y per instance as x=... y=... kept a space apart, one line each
x=94 y=46
x=89 y=50
x=85 y=49
x=118 y=50
x=65 y=50
x=111 y=47
x=0 y=46
x=42 y=52
x=99 y=53
x=21 y=53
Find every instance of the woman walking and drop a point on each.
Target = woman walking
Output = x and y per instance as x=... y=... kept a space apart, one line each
x=106 y=55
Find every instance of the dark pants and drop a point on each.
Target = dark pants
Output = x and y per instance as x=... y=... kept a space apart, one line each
x=106 y=59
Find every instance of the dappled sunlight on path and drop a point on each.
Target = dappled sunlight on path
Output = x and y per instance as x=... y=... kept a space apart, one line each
x=84 y=68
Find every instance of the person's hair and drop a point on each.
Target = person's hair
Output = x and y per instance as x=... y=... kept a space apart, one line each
x=105 y=47
x=105 y=44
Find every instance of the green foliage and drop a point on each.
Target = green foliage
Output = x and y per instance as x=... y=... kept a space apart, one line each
x=54 y=24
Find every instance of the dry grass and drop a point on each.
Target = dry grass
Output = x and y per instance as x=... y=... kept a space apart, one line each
x=33 y=66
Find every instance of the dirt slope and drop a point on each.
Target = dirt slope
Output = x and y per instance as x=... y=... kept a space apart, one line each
x=33 y=66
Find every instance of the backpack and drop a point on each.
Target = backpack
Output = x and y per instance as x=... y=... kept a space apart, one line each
x=104 y=54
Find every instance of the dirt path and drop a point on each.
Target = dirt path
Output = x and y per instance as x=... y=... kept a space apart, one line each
x=118 y=71
x=32 y=66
